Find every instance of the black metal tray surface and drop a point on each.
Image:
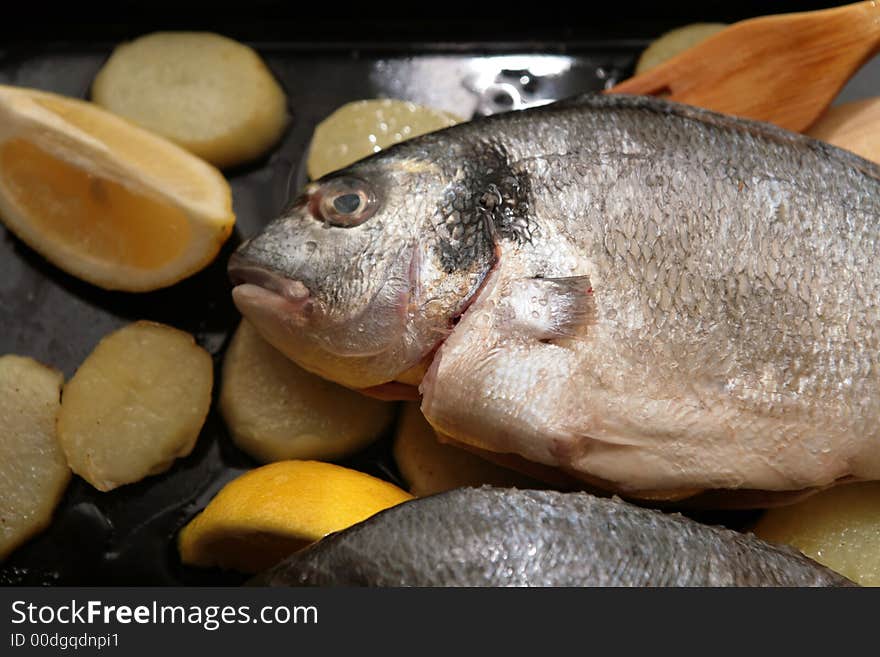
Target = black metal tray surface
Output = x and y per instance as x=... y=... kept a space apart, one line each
x=127 y=536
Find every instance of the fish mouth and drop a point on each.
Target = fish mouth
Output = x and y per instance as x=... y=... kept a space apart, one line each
x=242 y=272
x=257 y=290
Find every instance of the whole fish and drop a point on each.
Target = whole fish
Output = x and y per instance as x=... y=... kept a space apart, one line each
x=509 y=537
x=647 y=295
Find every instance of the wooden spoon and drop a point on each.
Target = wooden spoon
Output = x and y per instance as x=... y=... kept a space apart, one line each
x=785 y=69
x=854 y=126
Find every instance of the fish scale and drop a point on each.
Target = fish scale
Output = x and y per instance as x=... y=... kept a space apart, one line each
x=730 y=341
x=508 y=537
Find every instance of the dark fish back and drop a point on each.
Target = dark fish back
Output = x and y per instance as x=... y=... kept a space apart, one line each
x=508 y=537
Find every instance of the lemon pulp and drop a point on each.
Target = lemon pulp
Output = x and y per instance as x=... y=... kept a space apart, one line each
x=105 y=219
x=104 y=200
x=139 y=147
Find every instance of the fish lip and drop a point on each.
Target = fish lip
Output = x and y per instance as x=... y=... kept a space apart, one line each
x=295 y=313
x=241 y=272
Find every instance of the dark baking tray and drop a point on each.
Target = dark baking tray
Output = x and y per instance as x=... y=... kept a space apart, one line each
x=126 y=537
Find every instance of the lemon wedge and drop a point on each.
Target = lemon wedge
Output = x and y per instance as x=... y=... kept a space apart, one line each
x=104 y=200
x=266 y=514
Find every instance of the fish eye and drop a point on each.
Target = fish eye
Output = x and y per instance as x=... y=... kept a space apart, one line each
x=347 y=203
x=344 y=202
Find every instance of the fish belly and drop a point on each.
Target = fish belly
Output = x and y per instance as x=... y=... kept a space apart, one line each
x=727 y=334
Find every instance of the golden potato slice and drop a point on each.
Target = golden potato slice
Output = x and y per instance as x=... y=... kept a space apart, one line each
x=429 y=466
x=364 y=127
x=33 y=470
x=675 y=42
x=839 y=527
x=135 y=404
x=275 y=410
x=211 y=95
x=852 y=126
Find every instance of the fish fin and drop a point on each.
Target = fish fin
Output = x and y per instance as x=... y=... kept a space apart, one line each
x=552 y=308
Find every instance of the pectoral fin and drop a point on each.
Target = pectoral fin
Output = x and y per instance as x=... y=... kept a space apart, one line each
x=551 y=308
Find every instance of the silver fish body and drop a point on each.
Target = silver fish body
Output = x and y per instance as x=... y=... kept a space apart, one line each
x=508 y=537
x=647 y=295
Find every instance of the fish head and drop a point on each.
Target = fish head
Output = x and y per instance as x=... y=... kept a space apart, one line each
x=365 y=273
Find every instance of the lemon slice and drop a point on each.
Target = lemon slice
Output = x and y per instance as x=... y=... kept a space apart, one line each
x=364 y=127
x=266 y=514
x=104 y=200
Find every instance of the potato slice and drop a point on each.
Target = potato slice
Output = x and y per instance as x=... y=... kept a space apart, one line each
x=429 y=466
x=275 y=410
x=839 y=527
x=675 y=42
x=852 y=126
x=135 y=404
x=211 y=95
x=364 y=127
x=33 y=470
